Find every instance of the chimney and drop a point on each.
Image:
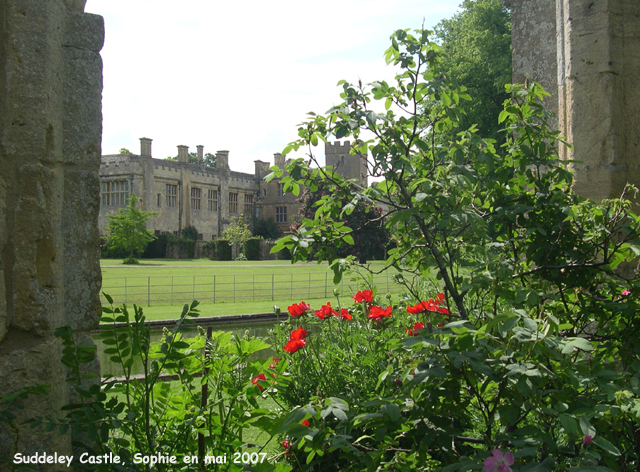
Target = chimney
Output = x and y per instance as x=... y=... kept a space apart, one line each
x=278 y=159
x=222 y=159
x=145 y=147
x=183 y=153
x=200 y=154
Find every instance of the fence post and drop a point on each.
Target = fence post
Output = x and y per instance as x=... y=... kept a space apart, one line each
x=309 y=290
x=194 y=289
x=214 y=289
x=325 y=285
x=342 y=286
x=253 y=289
x=387 y=272
x=172 y=290
x=148 y=291
x=125 y=290
x=291 y=286
x=272 y=276
x=234 y=288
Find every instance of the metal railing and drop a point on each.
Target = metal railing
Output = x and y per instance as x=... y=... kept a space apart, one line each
x=170 y=289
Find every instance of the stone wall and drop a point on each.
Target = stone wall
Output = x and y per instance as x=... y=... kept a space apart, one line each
x=594 y=74
x=50 y=135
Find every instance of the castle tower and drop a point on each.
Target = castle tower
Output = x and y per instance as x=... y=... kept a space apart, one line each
x=350 y=166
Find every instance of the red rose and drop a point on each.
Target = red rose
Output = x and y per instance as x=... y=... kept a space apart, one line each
x=377 y=312
x=363 y=296
x=344 y=314
x=306 y=423
x=294 y=345
x=287 y=446
x=296 y=340
x=298 y=309
x=416 y=327
x=325 y=311
x=254 y=380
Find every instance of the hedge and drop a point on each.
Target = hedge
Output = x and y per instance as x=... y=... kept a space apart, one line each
x=252 y=249
x=223 y=250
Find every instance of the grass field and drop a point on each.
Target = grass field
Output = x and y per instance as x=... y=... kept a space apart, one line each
x=227 y=287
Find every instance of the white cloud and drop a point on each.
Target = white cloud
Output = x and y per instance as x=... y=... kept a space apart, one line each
x=238 y=75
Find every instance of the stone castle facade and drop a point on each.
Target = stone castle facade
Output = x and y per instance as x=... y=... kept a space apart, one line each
x=184 y=194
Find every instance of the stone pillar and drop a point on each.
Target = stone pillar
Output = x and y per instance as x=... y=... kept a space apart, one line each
x=145 y=147
x=200 y=154
x=590 y=56
x=599 y=91
x=50 y=138
x=183 y=153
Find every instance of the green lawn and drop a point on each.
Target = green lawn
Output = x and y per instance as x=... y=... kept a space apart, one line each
x=226 y=287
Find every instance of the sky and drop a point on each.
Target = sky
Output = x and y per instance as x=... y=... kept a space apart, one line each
x=239 y=76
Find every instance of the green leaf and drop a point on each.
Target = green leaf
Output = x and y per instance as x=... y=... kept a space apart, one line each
x=605 y=445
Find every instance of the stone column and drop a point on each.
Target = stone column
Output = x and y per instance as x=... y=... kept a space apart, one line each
x=599 y=65
x=50 y=137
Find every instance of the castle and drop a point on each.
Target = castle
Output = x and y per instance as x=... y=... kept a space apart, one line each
x=184 y=194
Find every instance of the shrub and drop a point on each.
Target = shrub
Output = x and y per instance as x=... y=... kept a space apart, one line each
x=252 y=249
x=223 y=250
x=209 y=249
x=540 y=354
x=157 y=249
x=212 y=402
x=189 y=232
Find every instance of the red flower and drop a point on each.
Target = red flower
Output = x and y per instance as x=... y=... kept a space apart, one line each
x=274 y=362
x=296 y=340
x=439 y=298
x=306 y=423
x=254 y=380
x=344 y=314
x=298 y=309
x=363 y=296
x=416 y=327
x=325 y=311
x=287 y=446
x=298 y=334
x=377 y=312
x=429 y=305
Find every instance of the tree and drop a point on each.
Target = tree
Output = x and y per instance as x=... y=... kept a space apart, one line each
x=266 y=228
x=128 y=230
x=209 y=160
x=370 y=237
x=477 y=44
x=529 y=274
x=238 y=233
x=124 y=151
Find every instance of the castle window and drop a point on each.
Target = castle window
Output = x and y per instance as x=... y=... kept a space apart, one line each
x=115 y=193
x=248 y=204
x=264 y=192
x=195 y=198
x=233 y=202
x=159 y=199
x=170 y=195
x=280 y=189
x=212 y=198
x=281 y=214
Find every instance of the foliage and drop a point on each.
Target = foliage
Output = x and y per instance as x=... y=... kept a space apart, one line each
x=203 y=412
x=477 y=43
x=266 y=227
x=189 y=232
x=252 y=249
x=542 y=354
x=237 y=233
x=128 y=229
x=209 y=249
x=157 y=248
x=124 y=151
x=370 y=237
x=223 y=250
x=10 y=407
